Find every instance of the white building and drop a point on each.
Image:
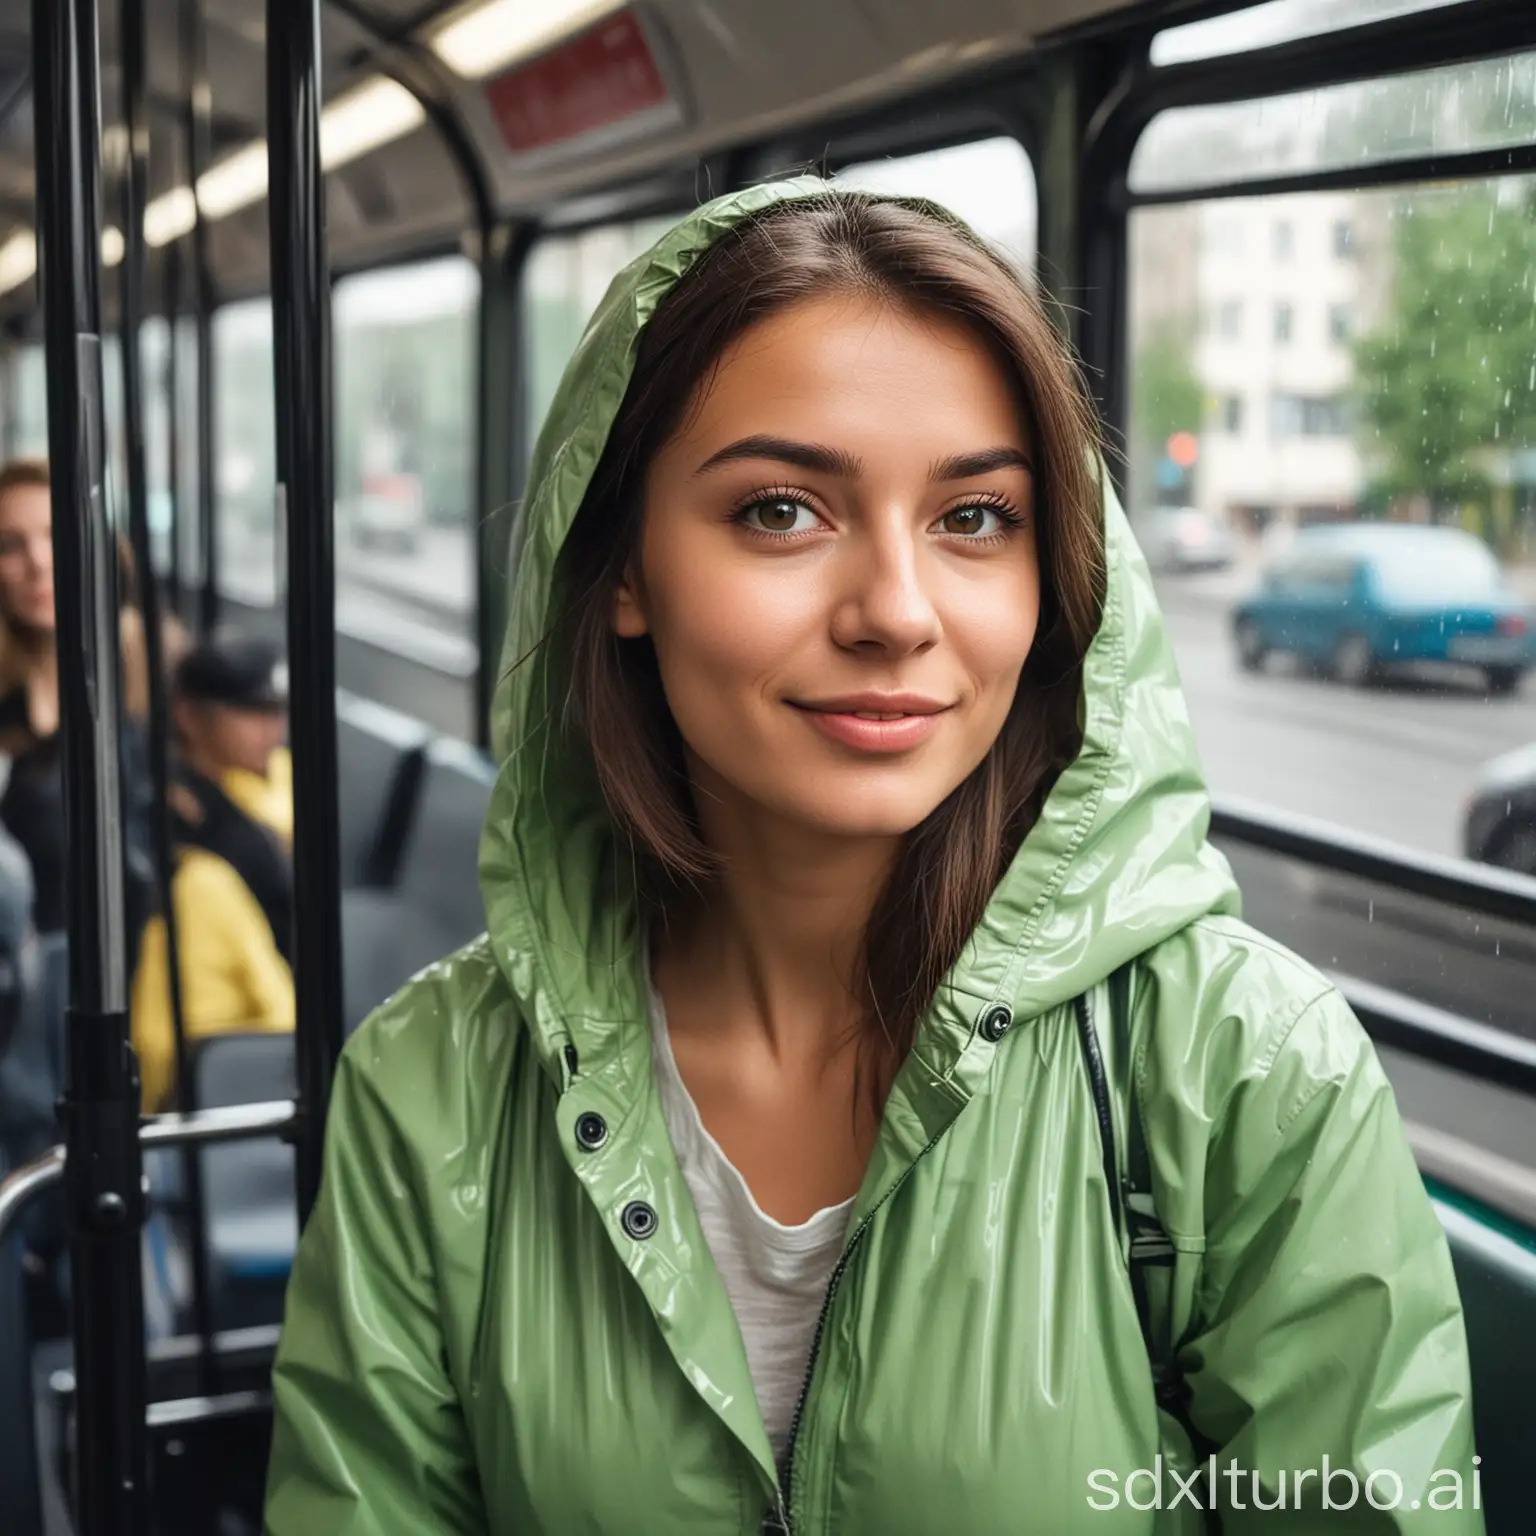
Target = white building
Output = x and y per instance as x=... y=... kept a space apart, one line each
x=1284 y=286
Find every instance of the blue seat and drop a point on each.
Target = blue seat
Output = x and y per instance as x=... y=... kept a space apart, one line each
x=251 y=1215
x=381 y=754
x=1496 y=1275
x=434 y=907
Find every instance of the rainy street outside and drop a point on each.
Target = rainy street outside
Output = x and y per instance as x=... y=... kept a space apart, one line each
x=1395 y=760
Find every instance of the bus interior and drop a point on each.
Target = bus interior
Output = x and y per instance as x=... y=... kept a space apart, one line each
x=1280 y=237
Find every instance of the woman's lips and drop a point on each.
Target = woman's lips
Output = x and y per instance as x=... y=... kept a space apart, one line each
x=898 y=733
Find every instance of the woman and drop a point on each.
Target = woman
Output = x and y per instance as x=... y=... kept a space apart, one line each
x=32 y=805
x=751 y=1168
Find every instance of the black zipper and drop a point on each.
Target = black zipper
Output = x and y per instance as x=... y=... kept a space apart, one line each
x=779 y=1520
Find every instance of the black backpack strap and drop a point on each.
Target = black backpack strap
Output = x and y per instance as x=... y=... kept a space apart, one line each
x=1148 y=1243
x=1133 y=1208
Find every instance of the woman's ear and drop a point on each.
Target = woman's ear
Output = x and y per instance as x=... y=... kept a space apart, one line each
x=629 y=621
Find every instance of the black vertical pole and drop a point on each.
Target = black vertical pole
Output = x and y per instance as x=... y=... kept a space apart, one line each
x=131 y=274
x=100 y=1108
x=301 y=337
x=194 y=56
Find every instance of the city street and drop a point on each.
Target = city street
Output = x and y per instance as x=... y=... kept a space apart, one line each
x=1395 y=760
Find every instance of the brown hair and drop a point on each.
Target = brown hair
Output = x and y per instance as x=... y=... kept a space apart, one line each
x=950 y=864
x=33 y=473
x=25 y=472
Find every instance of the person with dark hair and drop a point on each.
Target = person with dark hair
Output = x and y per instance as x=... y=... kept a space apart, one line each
x=32 y=800
x=232 y=823
x=866 y=1111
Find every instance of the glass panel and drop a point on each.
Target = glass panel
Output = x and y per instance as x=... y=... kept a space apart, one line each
x=1280 y=21
x=563 y=281
x=990 y=184
x=245 y=453
x=31 y=407
x=1374 y=677
x=154 y=354
x=406 y=379
x=1490 y=104
x=186 y=451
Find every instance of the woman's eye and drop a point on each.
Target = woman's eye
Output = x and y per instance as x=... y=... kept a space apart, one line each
x=779 y=514
x=972 y=522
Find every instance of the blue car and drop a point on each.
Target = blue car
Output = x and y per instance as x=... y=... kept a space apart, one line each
x=1359 y=598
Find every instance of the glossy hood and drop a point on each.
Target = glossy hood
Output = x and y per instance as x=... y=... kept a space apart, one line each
x=1117 y=862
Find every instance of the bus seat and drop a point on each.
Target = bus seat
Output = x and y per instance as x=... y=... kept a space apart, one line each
x=1496 y=1274
x=380 y=755
x=248 y=1186
x=19 y=1488
x=435 y=907
x=31 y=1081
x=32 y=1062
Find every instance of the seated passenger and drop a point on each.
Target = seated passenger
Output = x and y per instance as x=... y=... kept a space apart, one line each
x=232 y=822
x=32 y=799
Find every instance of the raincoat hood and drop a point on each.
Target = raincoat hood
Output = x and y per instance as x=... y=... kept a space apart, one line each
x=1117 y=862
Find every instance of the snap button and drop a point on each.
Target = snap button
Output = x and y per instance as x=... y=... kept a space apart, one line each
x=638 y=1220
x=591 y=1131
x=995 y=1023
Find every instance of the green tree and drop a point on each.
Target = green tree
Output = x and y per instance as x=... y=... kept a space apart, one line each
x=1448 y=383
x=1166 y=397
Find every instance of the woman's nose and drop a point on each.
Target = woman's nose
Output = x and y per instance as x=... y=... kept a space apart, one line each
x=884 y=602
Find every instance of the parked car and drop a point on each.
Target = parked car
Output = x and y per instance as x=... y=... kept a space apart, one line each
x=389 y=512
x=1361 y=598
x=1500 y=823
x=1187 y=539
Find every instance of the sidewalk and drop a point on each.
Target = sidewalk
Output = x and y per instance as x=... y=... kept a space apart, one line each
x=1243 y=575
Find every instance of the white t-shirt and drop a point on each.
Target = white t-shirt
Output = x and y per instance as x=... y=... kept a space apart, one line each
x=776 y=1276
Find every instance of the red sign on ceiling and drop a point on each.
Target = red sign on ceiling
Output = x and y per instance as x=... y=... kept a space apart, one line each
x=605 y=75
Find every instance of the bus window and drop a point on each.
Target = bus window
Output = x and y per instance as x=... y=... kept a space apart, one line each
x=188 y=530
x=989 y=183
x=155 y=360
x=1490 y=104
x=245 y=453
x=1278 y=21
x=563 y=281
x=405 y=350
x=30 y=424
x=1403 y=441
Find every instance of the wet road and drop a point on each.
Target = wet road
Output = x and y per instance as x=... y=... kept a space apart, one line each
x=1395 y=760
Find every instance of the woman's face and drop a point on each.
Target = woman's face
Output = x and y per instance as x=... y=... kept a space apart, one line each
x=839 y=568
x=26 y=556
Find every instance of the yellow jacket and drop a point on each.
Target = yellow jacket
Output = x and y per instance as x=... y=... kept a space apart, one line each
x=233 y=976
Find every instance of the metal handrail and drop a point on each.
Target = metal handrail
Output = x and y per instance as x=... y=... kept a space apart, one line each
x=1433 y=1034
x=240 y=1122
x=20 y=1187
x=1475 y=887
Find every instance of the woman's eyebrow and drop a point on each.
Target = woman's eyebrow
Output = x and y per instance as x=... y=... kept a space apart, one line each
x=812 y=456
x=962 y=466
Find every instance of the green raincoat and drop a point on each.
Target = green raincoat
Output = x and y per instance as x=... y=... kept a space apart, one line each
x=476 y=1342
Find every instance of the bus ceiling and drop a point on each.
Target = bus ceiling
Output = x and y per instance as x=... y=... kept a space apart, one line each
x=438 y=119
